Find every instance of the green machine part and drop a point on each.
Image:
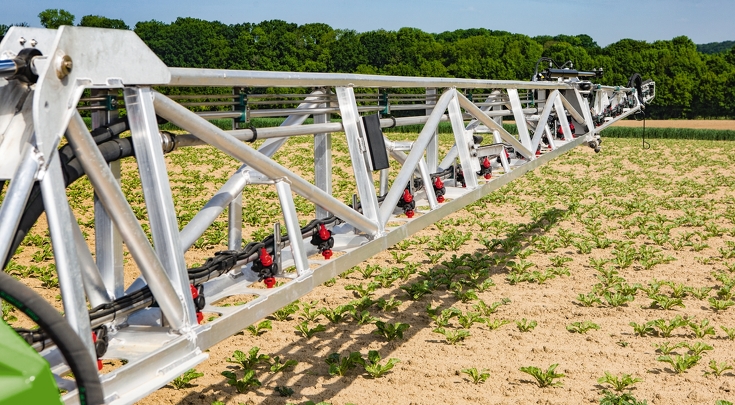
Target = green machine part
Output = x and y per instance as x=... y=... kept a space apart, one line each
x=25 y=376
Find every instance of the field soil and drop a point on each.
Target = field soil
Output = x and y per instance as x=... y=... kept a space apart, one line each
x=633 y=230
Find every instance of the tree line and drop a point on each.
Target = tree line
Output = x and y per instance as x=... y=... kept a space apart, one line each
x=690 y=83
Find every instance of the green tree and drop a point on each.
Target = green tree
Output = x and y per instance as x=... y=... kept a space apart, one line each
x=55 y=18
x=102 y=22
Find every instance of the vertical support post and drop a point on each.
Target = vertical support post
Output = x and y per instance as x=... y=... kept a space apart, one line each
x=157 y=193
x=465 y=144
x=94 y=286
x=108 y=243
x=515 y=105
x=542 y=126
x=493 y=97
x=561 y=113
x=323 y=159
x=357 y=143
x=293 y=227
x=234 y=223
x=432 y=151
x=428 y=185
x=384 y=181
x=65 y=255
x=503 y=159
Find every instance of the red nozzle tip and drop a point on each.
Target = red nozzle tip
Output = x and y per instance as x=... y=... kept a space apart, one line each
x=407 y=197
x=99 y=365
x=265 y=258
x=324 y=233
x=269 y=282
x=488 y=176
x=327 y=253
x=409 y=213
x=440 y=199
x=200 y=317
x=438 y=183
x=486 y=162
x=194 y=291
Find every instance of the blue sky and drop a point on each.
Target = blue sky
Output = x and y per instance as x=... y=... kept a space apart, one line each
x=606 y=21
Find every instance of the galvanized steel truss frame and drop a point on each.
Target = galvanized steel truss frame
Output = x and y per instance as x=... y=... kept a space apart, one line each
x=161 y=343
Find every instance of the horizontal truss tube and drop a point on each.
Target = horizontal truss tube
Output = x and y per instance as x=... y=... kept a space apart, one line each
x=218 y=138
x=255 y=78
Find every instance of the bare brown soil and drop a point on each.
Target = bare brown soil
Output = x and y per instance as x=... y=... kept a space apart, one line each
x=430 y=369
x=673 y=180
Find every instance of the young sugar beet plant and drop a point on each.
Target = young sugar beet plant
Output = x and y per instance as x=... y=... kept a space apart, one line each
x=390 y=331
x=582 y=327
x=478 y=377
x=545 y=378
x=374 y=368
x=619 y=383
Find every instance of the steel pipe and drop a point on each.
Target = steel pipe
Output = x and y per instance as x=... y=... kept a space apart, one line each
x=114 y=202
x=8 y=68
x=218 y=138
x=255 y=78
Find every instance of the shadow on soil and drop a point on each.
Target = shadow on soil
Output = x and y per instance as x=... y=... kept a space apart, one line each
x=343 y=337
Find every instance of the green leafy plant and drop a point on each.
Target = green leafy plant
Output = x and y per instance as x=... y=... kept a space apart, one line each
x=697 y=348
x=374 y=368
x=617 y=299
x=702 y=328
x=487 y=310
x=341 y=365
x=525 y=325
x=582 y=327
x=243 y=384
x=665 y=328
x=680 y=364
x=626 y=398
x=338 y=314
x=250 y=360
x=308 y=332
x=361 y=291
x=260 y=328
x=285 y=313
x=618 y=383
x=720 y=305
x=445 y=316
x=493 y=324
x=364 y=317
x=544 y=378
x=701 y=293
x=390 y=330
x=362 y=304
x=283 y=391
x=309 y=311
x=7 y=311
x=478 y=377
x=278 y=366
x=666 y=348
x=589 y=299
x=642 y=329
x=468 y=319
x=417 y=290
x=729 y=331
x=388 y=305
x=717 y=368
x=453 y=336
x=664 y=302
x=184 y=380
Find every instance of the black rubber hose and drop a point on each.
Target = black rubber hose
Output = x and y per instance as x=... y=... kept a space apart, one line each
x=58 y=329
x=112 y=149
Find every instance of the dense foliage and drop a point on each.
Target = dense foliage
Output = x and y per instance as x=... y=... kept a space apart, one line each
x=691 y=82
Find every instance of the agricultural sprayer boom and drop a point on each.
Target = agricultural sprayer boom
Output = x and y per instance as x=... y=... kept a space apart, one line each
x=153 y=322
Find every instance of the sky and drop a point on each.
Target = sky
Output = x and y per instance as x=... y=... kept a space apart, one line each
x=605 y=21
